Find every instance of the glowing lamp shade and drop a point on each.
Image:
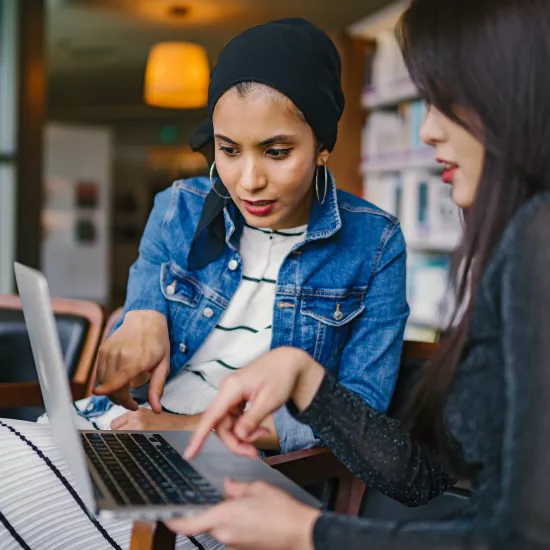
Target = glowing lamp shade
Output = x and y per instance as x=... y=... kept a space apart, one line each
x=177 y=76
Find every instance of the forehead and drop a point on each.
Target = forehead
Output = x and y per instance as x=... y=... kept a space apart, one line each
x=259 y=114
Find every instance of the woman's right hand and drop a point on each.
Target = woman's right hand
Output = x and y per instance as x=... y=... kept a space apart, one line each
x=138 y=351
x=265 y=385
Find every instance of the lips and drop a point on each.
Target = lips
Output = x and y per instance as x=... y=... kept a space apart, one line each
x=259 y=208
x=449 y=170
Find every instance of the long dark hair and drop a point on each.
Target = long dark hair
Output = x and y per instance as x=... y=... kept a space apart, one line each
x=491 y=59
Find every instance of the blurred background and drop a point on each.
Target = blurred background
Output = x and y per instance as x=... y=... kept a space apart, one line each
x=97 y=102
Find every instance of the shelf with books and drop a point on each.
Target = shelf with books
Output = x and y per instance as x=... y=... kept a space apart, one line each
x=400 y=171
x=446 y=244
x=390 y=94
x=399 y=161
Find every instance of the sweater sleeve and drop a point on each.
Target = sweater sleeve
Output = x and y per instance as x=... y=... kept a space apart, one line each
x=376 y=448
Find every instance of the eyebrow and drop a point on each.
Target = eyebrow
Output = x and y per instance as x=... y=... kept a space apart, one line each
x=275 y=139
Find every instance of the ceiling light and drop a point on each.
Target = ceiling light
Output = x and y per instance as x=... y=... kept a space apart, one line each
x=177 y=76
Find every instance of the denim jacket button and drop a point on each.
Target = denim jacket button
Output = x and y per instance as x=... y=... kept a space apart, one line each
x=183 y=348
x=171 y=289
x=233 y=265
x=208 y=312
x=338 y=315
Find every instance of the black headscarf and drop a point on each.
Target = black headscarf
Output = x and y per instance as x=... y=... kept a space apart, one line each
x=292 y=56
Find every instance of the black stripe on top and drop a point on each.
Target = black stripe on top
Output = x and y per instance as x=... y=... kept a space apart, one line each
x=196 y=543
x=199 y=374
x=240 y=327
x=65 y=483
x=267 y=232
x=225 y=365
x=11 y=529
x=164 y=409
x=262 y=280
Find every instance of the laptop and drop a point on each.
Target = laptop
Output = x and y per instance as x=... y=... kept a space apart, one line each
x=129 y=474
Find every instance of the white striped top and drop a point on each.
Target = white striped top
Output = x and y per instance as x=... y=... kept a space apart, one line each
x=242 y=334
x=244 y=331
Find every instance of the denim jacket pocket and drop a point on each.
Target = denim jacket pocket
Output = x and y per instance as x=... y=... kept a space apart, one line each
x=332 y=308
x=179 y=286
x=326 y=318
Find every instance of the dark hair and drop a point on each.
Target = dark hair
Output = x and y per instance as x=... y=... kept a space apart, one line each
x=489 y=59
x=246 y=87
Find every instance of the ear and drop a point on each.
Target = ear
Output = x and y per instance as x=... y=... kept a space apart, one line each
x=322 y=156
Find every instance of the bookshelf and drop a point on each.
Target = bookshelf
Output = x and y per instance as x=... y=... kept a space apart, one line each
x=395 y=92
x=400 y=173
x=399 y=161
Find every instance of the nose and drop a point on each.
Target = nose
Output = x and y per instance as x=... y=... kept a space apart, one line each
x=431 y=131
x=253 y=178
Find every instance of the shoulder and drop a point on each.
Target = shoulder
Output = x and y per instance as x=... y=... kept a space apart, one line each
x=352 y=204
x=186 y=194
x=198 y=186
x=364 y=218
x=529 y=229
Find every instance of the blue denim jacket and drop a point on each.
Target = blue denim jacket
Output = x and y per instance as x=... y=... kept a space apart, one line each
x=340 y=294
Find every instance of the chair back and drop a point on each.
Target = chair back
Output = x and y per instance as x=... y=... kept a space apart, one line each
x=413 y=359
x=79 y=326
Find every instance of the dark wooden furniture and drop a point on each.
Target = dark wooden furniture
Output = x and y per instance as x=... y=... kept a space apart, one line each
x=79 y=325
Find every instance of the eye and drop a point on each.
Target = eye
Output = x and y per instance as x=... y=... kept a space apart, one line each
x=229 y=151
x=278 y=154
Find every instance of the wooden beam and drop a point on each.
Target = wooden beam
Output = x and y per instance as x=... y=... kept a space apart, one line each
x=31 y=119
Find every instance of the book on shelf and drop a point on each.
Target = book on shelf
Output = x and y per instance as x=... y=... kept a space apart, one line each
x=427 y=288
x=385 y=191
x=395 y=134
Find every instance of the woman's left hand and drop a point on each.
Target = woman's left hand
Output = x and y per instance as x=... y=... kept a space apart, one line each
x=146 y=419
x=256 y=515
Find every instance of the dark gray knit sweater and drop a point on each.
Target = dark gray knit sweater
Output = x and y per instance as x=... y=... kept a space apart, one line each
x=498 y=410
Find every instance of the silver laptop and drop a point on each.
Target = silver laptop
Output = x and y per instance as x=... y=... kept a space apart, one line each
x=129 y=474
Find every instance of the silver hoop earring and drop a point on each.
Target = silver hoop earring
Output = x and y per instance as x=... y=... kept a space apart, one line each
x=317 y=184
x=212 y=168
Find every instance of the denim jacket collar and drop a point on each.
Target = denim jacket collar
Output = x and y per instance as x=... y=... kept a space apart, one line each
x=324 y=220
x=221 y=216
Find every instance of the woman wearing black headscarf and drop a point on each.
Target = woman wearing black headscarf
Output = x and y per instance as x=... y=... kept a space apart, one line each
x=263 y=254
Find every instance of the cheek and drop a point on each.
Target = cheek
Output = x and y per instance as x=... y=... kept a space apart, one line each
x=472 y=174
x=228 y=170
x=293 y=176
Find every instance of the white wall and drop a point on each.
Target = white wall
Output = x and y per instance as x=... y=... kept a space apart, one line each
x=76 y=154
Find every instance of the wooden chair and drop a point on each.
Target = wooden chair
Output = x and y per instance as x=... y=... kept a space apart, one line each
x=79 y=324
x=311 y=466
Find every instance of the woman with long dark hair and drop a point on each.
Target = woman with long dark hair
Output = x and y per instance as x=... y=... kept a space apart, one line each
x=482 y=410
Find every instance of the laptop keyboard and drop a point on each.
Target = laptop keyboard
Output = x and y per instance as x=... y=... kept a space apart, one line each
x=138 y=472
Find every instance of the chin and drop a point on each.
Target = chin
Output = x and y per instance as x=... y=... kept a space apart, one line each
x=260 y=222
x=463 y=195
